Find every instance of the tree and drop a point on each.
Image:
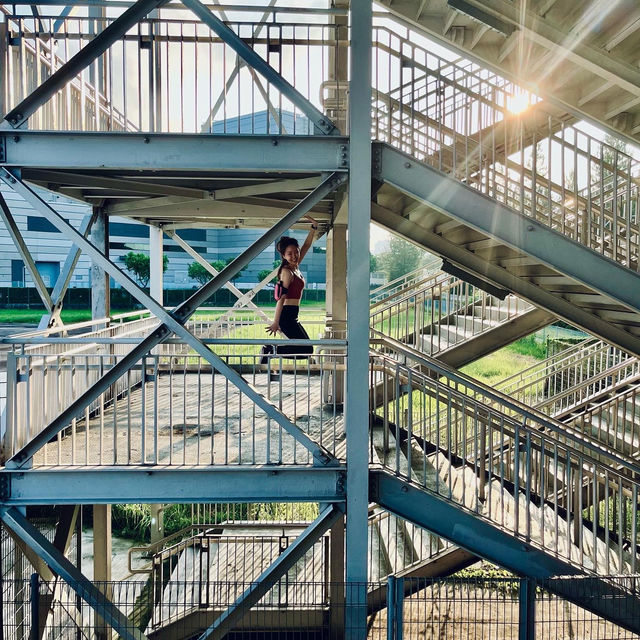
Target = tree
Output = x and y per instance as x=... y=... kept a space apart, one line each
x=265 y=272
x=373 y=263
x=199 y=273
x=138 y=264
x=401 y=258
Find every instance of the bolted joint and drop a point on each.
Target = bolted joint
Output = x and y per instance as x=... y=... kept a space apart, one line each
x=5 y=487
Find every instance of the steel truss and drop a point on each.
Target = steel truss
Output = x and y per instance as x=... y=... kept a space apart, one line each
x=172 y=322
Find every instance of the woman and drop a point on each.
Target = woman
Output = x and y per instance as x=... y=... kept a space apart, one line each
x=288 y=306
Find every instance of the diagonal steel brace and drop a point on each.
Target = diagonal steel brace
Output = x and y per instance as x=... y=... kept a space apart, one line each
x=273 y=573
x=320 y=121
x=70 y=69
x=74 y=578
x=172 y=321
x=18 y=241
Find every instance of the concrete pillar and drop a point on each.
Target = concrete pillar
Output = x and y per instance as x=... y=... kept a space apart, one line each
x=100 y=308
x=156 y=290
x=336 y=305
x=100 y=294
x=102 y=560
x=156 y=284
x=337 y=280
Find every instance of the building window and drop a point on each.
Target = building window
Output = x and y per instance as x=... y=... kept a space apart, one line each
x=17 y=273
x=35 y=223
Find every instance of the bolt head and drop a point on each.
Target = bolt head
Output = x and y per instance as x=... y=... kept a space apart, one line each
x=407 y=165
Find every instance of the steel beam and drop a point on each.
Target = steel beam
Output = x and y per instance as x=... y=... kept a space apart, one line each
x=322 y=123
x=172 y=321
x=272 y=574
x=145 y=484
x=482 y=538
x=114 y=184
x=23 y=250
x=521 y=287
x=68 y=71
x=176 y=152
x=76 y=580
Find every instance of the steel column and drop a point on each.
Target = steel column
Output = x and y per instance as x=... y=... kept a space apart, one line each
x=272 y=574
x=357 y=405
x=172 y=321
x=23 y=250
x=321 y=122
x=76 y=580
x=20 y=114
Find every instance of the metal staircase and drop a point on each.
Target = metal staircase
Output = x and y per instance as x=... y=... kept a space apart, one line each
x=523 y=203
x=454 y=321
x=501 y=481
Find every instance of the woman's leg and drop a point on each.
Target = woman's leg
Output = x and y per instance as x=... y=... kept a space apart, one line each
x=291 y=327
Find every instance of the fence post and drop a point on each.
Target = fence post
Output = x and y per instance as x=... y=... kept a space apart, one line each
x=35 y=607
x=527 y=609
x=399 y=607
x=391 y=607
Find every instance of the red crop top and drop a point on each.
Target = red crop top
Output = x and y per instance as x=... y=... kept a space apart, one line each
x=294 y=291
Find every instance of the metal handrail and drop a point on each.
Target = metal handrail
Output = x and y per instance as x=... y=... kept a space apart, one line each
x=506 y=463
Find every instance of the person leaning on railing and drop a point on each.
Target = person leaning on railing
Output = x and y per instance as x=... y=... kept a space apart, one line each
x=290 y=285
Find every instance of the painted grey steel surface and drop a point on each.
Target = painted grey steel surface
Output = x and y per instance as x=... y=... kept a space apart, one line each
x=176 y=152
x=70 y=574
x=357 y=405
x=271 y=575
x=107 y=485
x=518 y=231
x=487 y=541
x=172 y=321
x=20 y=114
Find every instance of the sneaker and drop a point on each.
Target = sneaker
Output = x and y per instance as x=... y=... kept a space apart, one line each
x=266 y=351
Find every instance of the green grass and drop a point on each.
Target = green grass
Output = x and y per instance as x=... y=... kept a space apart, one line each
x=32 y=316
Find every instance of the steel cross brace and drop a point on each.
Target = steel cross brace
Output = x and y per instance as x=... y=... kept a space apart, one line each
x=173 y=322
x=20 y=114
x=200 y=260
x=321 y=122
x=22 y=248
x=74 y=578
x=273 y=573
x=64 y=278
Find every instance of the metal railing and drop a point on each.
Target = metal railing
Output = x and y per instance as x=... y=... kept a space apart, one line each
x=171 y=75
x=442 y=311
x=462 y=122
x=175 y=409
x=477 y=606
x=571 y=378
x=533 y=477
x=386 y=292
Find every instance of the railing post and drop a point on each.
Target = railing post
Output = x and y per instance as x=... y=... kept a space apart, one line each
x=8 y=444
x=34 y=598
x=527 y=609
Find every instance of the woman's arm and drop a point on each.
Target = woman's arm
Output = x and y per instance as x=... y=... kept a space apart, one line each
x=286 y=277
x=310 y=237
